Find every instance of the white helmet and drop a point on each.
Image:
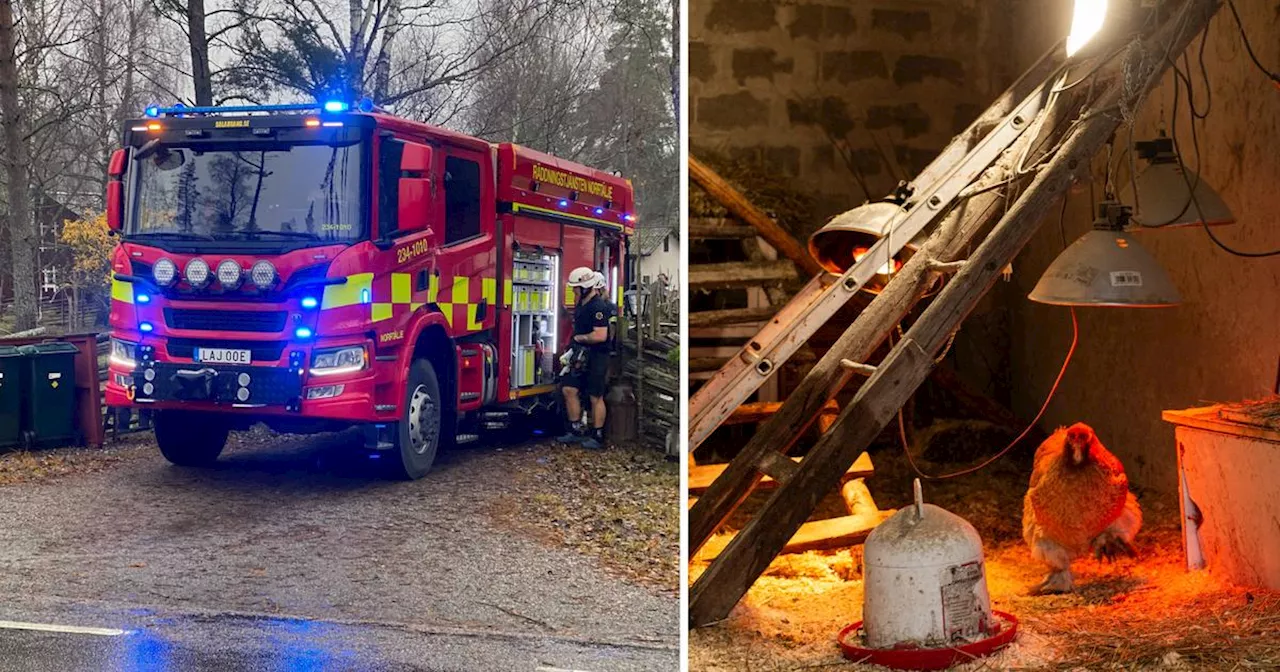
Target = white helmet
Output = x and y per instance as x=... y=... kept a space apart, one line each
x=599 y=280
x=582 y=277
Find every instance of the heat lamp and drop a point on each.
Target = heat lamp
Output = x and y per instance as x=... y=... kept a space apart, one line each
x=1168 y=194
x=848 y=238
x=1106 y=267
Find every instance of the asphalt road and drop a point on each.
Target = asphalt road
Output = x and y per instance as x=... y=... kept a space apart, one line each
x=291 y=554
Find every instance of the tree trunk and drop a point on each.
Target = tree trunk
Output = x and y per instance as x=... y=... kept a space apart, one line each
x=22 y=239
x=199 y=52
x=382 y=66
x=675 y=60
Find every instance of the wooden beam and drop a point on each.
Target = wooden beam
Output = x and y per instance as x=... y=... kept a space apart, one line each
x=759 y=411
x=711 y=318
x=828 y=534
x=909 y=363
x=730 y=274
x=719 y=228
x=702 y=475
x=736 y=203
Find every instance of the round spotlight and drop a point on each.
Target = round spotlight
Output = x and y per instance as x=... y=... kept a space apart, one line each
x=164 y=272
x=263 y=274
x=229 y=273
x=197 y=272
x=149 y=375
x=242 y=394
x=148 y=388
x=243 y=379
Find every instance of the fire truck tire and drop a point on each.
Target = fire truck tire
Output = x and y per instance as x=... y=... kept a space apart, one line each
x=420 y=427
x=190 y=439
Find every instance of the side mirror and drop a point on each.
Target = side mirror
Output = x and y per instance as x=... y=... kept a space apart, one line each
x=115 y=191
x=415 y=187
x=415 y=159
x=415 y=199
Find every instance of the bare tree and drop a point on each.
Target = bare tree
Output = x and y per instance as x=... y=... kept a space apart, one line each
x=21 y=233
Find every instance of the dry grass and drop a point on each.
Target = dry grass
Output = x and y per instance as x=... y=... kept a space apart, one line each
x=1139 y=614
x=620 y=505
x=23 y=466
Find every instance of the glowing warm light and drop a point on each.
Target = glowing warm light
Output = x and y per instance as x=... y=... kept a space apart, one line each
x=154 y=126
x=861 y=252
x=312 y=123
x=1086 y=21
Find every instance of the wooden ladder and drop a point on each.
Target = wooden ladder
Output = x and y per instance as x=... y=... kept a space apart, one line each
x=970 y=180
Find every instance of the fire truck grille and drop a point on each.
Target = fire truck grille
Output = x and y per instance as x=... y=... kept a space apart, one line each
x=225 y=320
x=259 y=351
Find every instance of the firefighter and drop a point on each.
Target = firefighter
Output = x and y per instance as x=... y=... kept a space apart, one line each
x=589 y=358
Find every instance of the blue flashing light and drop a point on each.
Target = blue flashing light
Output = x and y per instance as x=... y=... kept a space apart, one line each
x=630 y=218
x=366 y=105
x=153 y=111
x=335 y=106
x=302 y=332
x=309 y=302
x=143 y=298
x=146 y=327
x=564 y=204
x=599 y=211
x=364 y=296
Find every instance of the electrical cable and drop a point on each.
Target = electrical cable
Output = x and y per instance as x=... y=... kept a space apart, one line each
x=1075 y=339
x=1248 y=47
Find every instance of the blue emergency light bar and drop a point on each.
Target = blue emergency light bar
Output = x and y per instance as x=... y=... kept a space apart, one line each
x=330 y=106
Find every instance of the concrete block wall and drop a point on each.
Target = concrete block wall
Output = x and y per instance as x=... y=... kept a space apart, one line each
x=774 y=80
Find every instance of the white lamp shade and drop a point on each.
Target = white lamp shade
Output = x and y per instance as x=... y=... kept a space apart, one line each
x=1164 y=200
x=1106 y=268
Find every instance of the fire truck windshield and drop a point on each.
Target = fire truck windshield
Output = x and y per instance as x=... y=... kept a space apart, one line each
x=294 y=194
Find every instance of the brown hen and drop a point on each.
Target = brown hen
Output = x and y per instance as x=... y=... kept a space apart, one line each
x=1078 y=501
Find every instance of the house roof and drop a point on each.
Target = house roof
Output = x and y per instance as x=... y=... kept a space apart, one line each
x=650 y=238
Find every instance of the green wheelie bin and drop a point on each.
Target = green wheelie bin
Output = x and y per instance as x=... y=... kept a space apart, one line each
x=12 y=365
x=51 y=394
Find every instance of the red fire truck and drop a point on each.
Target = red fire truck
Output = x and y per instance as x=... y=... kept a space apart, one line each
x=322 y=267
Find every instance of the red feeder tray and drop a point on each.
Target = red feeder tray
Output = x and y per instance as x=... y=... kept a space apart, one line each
x=928 y=659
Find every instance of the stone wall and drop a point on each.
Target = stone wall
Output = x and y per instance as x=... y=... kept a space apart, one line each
x=797 y=85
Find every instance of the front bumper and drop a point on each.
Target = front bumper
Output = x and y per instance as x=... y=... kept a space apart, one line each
x=280 y=388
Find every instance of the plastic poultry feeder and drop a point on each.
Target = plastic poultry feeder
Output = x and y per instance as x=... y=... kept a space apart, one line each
x=925 y=605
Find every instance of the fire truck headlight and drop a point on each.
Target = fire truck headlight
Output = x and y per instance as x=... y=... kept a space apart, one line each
x=124 y=354
x=338 y=360
x=164 y=272
x=229 y=273
x=263 y=274
x=197 y=272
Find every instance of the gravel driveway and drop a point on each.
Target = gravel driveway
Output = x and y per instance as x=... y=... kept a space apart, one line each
x=300 y=527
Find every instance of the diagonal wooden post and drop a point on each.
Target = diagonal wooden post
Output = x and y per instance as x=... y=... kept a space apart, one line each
x=737 y=567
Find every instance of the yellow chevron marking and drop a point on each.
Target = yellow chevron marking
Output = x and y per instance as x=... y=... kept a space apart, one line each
x=382 y=311
x=489 y=290
x=401 y=288
x=461 y=290
x=121 y=290
x=506 y=293
x=349 y=294
x=472 y=323
x=433 y=288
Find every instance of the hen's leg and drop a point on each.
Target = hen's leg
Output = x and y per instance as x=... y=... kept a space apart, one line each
x=1059 y=560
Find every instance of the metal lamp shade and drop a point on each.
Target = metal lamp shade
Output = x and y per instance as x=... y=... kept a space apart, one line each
x=1164 y=200
x=849 y=236
x=1106 y=268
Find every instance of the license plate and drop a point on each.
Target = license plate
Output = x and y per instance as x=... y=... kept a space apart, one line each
x=222 y=356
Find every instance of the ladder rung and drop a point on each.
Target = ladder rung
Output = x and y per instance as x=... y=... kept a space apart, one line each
x=701 y=476
x=711 y=318
x=858 y=367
